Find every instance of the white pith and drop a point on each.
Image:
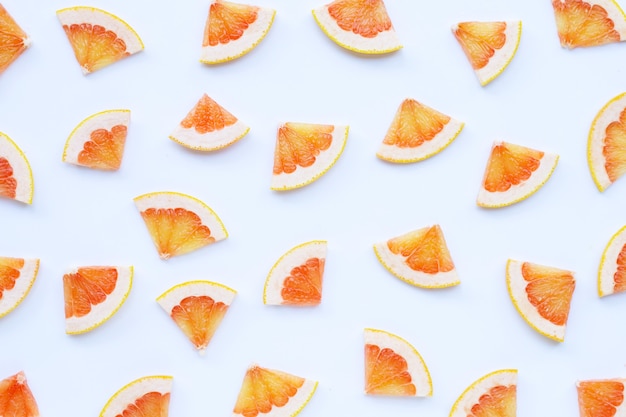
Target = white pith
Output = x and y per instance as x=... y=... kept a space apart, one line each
x=471 y=396
x=130 y=393
x=209 y=141
x=218 y=293
x=501 y=57
x=21 y=168
x=13 y=297
x=608 y=265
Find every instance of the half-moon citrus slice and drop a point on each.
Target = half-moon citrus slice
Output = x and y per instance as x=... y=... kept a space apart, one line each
x=583 y=23
x=495 y=394
x=179 y=223
x=16 y=176
x=304 y=152
x=358 y=25
x=97 y=37
x=489 y=46
x=601 y=397
x=514 y=173
x=93 y=294
x=612 y=271
x=16 y=398
x=420 y=257
x=17 y=276
x=209 y=127
x=296 y=278
x=197 y=308
x=233 y=29
x=13 y=40
x=268 y=392
x=417 y=132
x=394 y=367
x=147 y=396
x=542 y=295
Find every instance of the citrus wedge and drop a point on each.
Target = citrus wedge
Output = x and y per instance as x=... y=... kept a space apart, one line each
x=93 y=294
x=16 y=398
x=197 y=308
x=304 y=152
x=147 y=396
x=420 y=258
x=98 y=141
x=514 y=173
x=489 y=46
x=17 y=276
x=13 y=40
x=358 y=25
x=542 y=295
x=97 y=37
x=179 y=223
x=208 y=127
x=601 y=397
x=583 y=23
x=267 y=392
x=417 y=132
x=233 y=30
x=296 y=278
x=393 y=367
x=495 y=394
x=612 y=271
x=16 y=176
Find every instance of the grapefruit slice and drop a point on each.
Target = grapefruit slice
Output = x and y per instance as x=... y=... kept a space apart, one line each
x=268 y=392
x=420 y=258
x=16 y=176
x=495 y=394
x=232 y=30
x=489 y=46
x=393 y=367
x=612 y=271
x=358 y=25
x=98 y=141
x=584 y=23
x=417 y=132
x=13 y=40
x=93 y=294
x=296 y=278
x=147 y=396
x=17 y=276
x=601 y=397
x=542 y=295
x=97 y=37
x=179 y=223
x=304 y=152
x=197 y=308
x=16 y=398
x=514 y=173
x=208 y=127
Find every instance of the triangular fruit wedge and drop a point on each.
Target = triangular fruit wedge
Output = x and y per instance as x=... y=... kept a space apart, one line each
x=208 y=127
x=147 y=396
x=13 y=40
x=358 y=25
x=417 y=132
x=304 y=152
x=93 y=294
x=612 y=271
x=197 y=308
x=420 y=257
x=514 y=173
x=296 y=278
x=179 y=223
x=542 y=295
x=495 y=394
x=17 y=276
x=16 y=176
x=583 y=23
x=271 y=393
x=97 y=37
x=489 y=46
x=393 y=367
x=601 y=397
x=233 y=30
x=16 y=398
x=98 y=141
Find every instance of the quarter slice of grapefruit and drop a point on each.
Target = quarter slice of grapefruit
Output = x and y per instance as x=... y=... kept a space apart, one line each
x=16 y=176
x=393 y=367
x=601 y=397
x=147 y=396
x=358 y=25
x=417 y=132
x=612 y=271
x=97 y=37
x=514 y=173
x=93 y=294
x=179 y=223
x=495 y=394
x=13 y=40
x=584 y=23
x=17 y=276
x=304 y=152
x=542 y=295
x=233 y=29
x=420 y=258
x=268 y=392
x=208 y=127
x=296 y=278
x=16 y=398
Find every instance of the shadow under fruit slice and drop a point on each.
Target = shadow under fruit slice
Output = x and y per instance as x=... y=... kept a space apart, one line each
x=17 y=276
x=16 y=398
x=584 y=23
x=601 y=397
x=612 y=270
x=147 y=396
x=13 y=40
x=16 y=176
x=495 y=394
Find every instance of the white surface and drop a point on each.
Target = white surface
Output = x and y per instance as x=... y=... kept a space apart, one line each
x=545 y=99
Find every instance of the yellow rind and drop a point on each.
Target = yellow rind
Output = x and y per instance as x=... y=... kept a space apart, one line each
x=184 y=284
x=306 y=400
x=213 y=148
x=30 y=285
x=31 y=183
x=474 y=384
x=130 y=384
x=506 y=64
x=603 y=259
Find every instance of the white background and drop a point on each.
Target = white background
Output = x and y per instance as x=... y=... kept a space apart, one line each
x=545 y=99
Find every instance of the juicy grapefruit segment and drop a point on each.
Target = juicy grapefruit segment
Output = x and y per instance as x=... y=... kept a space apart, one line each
x=13 y=40
x=612 y=270
x=601 y=397
x=17 y=276
x=16 y=398
x=147 y=396
x=16 y=176
x=495 y=394
x=584 y=23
